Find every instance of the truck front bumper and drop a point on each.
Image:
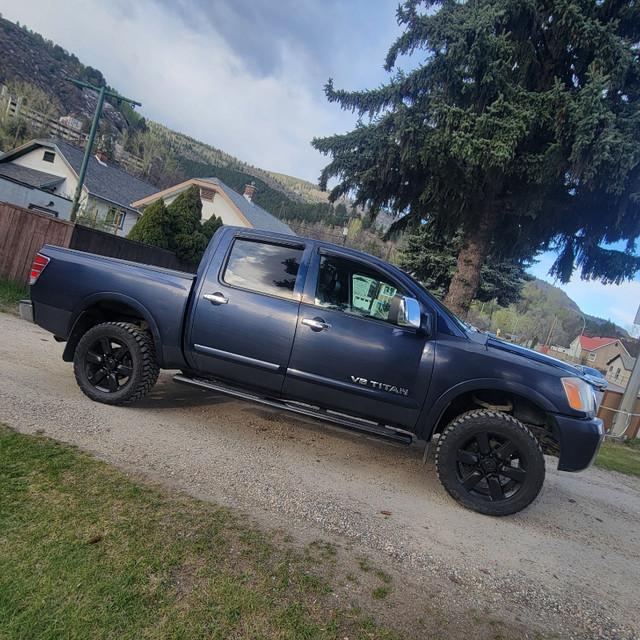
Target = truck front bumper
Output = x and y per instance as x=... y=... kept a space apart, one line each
x=26 y=310
x=580 y=442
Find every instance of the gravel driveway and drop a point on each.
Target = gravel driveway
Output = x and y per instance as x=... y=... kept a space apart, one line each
x=566 y=567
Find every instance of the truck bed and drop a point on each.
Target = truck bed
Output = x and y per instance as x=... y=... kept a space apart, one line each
x=89 y=280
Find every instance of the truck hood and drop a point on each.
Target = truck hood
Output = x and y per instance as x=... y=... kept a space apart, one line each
x=530 y=354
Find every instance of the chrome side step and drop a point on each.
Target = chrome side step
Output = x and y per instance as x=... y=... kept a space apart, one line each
x=371 y=428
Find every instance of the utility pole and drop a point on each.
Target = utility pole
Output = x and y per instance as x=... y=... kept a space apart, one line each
x=622 y=417
x=92 y=136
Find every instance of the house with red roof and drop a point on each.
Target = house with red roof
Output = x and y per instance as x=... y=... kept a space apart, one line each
x=596 y=352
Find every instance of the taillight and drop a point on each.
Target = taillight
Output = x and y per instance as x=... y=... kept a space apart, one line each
x=37 y=267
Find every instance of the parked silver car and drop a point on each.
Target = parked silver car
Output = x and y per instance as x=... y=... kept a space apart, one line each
x=593 y=377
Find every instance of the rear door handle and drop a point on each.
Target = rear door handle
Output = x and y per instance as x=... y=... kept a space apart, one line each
x=317 y=324
x=215 y=298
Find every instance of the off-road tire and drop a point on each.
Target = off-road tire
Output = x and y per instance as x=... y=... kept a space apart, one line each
x=115 y=363
x=490 y=462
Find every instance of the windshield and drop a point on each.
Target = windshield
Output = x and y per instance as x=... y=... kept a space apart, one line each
x=592 y=372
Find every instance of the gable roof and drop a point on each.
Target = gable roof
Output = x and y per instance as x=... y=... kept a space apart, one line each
x=591 y=344
x=258 y=217
x=102 y=181
x=254 y=214
x=628 y=362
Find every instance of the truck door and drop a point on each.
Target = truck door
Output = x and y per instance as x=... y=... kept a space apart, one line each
x=348 y=355
x=246 y=313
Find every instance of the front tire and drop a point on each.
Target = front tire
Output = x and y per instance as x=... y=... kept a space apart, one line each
x=490 y=462
x=115 y=363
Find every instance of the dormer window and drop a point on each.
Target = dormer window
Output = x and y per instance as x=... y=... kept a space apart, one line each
x=49 y=156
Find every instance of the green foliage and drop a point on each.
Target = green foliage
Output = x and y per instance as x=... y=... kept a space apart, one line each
x=153 y=227
x=433 y=261
x=189 y=247
x=185 y=212
x=519 y=130
x=210 y=226
x=176 y=227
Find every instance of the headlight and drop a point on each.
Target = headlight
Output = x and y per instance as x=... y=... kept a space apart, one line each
x=580 y=394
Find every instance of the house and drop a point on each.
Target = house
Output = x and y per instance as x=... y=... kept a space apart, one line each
x=43 y=175
x=595 y=352
x=619 y=369
x=221 y=200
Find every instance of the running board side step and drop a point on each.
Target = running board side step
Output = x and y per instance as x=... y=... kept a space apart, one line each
x=371 y=428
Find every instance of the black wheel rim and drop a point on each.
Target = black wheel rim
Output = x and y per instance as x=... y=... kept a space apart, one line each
x=108 y=365
x=490 y=467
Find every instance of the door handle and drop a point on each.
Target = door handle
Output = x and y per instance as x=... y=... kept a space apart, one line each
x=215 y=298
x=317 y=324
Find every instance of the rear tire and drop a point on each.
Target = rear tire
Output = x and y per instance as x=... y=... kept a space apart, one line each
x=115 y=363
x=490 y=462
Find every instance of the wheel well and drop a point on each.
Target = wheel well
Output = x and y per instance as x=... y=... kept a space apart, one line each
x=104 y=311
x=523 y=409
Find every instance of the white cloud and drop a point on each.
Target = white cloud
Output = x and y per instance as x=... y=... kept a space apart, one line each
x=246 y=77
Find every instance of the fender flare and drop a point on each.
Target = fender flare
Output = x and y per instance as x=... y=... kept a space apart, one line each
x=432 y=415
x=80 y=321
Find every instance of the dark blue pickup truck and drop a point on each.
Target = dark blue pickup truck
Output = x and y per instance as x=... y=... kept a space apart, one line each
x=328 y=332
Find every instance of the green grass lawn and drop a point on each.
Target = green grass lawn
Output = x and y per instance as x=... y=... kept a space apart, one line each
x=620 y=456
x=87 y=553
x=10 y=294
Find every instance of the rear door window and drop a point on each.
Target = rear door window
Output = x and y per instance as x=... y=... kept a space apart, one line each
x=266 y=268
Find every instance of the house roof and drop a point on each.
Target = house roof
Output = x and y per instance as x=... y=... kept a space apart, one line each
x=591 y=344
x=102 y=181
x=253 y=213
x=628 y=362
x=31 y=177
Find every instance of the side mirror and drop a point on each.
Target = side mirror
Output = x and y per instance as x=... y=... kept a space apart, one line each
x=408 y=314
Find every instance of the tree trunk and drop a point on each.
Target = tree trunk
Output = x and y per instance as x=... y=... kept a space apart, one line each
x=475 y=247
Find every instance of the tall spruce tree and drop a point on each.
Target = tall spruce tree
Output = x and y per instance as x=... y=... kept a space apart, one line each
x=520 y=129
x=432 y=261
x=176 y=227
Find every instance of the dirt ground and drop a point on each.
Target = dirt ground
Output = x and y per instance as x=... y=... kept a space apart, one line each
x=566 y=567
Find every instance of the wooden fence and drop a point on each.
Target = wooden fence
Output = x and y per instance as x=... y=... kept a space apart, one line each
x=23 y=233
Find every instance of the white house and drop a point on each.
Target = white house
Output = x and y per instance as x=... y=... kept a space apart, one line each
x=48 y=169
x=221 y=200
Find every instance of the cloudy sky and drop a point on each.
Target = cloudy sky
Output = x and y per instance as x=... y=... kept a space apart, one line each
x=247 y=77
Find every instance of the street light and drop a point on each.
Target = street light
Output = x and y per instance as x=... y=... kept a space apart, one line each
x=515 y=326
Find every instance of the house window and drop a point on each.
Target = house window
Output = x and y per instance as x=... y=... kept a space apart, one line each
x=592 y=357
x=115 y=218
x=49 y=156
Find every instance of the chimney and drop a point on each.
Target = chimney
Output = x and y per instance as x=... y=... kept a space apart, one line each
x=101 y=156
x=249 y=191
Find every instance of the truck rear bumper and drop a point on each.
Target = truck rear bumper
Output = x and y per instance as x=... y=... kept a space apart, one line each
x=579 y=442
x=26 y=310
